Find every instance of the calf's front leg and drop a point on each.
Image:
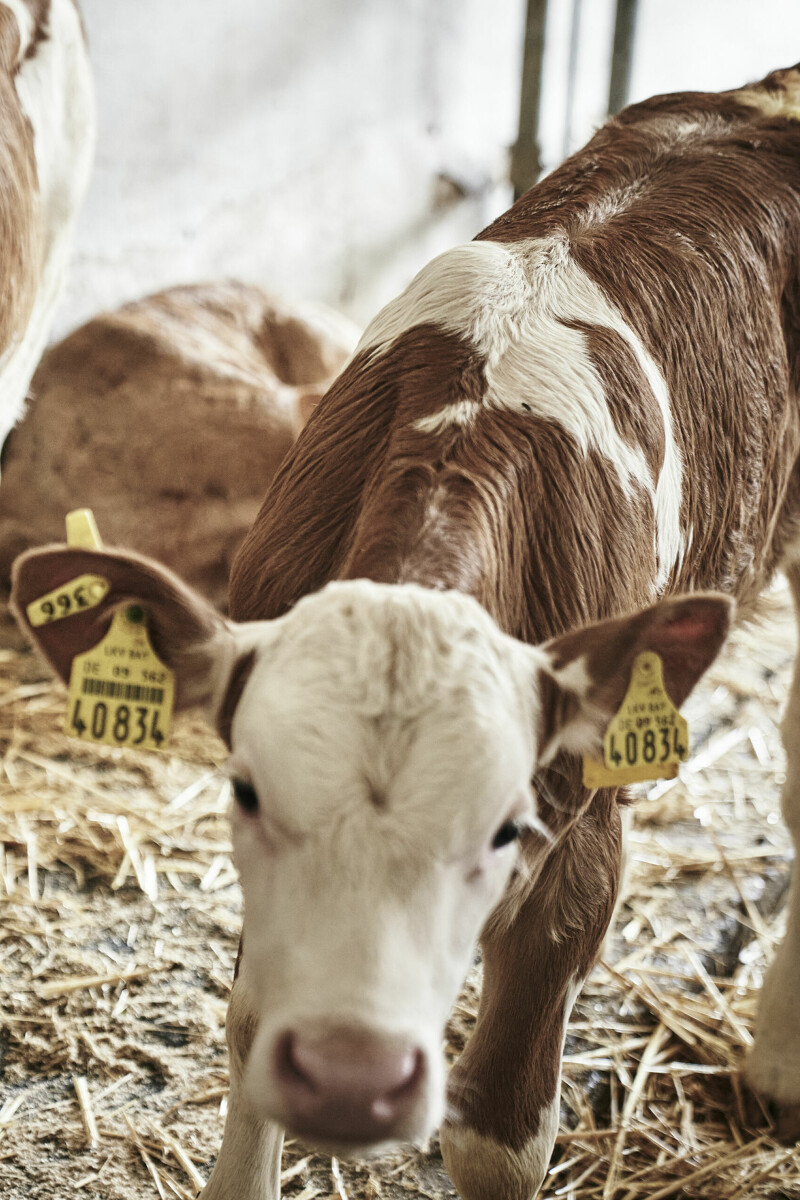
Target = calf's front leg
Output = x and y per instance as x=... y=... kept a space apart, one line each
x=249 y=1163
x=505 y=1089
x=773 y=1068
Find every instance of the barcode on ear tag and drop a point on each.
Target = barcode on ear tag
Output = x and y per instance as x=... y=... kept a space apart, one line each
x=76 y=596
x=120 y=692
x=647 y=738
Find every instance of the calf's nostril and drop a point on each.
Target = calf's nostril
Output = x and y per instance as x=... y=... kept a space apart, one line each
x=409 y=1074
x=288 y=1068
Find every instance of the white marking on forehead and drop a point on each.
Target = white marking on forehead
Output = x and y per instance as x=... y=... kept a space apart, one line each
x=512 y=304
x=389 y=649
x=450 y=689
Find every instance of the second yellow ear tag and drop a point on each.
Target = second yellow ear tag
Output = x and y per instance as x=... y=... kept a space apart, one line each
x=87 y=591
x=120 y=693
x=647 y=738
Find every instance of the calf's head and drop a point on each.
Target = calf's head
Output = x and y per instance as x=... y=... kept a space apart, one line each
x=383 y=742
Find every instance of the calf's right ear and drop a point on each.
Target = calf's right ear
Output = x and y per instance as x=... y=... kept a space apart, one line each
x=190 y=637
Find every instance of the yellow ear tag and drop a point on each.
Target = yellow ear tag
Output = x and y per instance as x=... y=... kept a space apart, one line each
x=120 y=693
x=82 y=529
x=647 y=739
x=86 y=591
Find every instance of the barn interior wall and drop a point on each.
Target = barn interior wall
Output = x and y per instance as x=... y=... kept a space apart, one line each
x=326 y=149
x=307 y=145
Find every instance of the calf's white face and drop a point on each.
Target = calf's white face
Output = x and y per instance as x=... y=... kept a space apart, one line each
x=383 y=742
x=382 y=751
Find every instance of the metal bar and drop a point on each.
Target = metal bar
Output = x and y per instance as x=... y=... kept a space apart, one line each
x=526 y=164
x=622 y=54
x=572 y=76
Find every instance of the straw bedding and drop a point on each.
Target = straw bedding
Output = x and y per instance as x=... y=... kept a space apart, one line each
x=119 y=918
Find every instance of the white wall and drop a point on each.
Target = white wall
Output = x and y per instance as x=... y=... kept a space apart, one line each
x=296 y=143
x=680 y=45
x=301 y=144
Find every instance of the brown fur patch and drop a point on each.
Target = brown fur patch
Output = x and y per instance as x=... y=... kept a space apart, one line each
x=40 y=11
x=299 y=538
x=557 y=707
x=20 y=229
x=474 y=507
x=236 y=684
x=680 y=209
x=687 y=633
x=510 y=1069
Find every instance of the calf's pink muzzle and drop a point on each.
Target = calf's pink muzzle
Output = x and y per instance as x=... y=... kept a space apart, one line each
x=347 y=1085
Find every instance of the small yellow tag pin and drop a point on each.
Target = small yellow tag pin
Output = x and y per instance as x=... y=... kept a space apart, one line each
x=82 y=529
x=77 y=595
x=647 y=738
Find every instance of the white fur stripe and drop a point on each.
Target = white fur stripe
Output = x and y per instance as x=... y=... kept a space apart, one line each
x=463 y=412
x=511 y=302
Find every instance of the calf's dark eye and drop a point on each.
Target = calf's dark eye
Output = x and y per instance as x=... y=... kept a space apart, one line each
x=245 y=795
x=509 y=831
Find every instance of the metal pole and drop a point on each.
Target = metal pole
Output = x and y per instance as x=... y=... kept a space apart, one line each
x=572 y=76
x=622 y=54
x=526 y=164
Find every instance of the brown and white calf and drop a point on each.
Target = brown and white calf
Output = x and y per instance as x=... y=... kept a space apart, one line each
x=47 y=115
x=554 y=433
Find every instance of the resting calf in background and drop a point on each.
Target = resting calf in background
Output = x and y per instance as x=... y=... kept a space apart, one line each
x=553 y=432
x=188 y=400
x=46 y=147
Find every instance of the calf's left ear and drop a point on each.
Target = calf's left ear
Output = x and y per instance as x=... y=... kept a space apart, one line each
x=186 y=631
x=588 y=670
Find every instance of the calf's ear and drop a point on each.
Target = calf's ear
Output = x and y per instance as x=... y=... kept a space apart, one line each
x=186 y=632
x=587 y=671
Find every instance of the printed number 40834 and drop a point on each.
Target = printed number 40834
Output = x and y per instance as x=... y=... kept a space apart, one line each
x=117 y=724
x=648 y=745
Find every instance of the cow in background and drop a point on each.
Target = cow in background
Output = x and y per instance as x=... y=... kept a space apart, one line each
x=167 y=418
x=47 y=120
